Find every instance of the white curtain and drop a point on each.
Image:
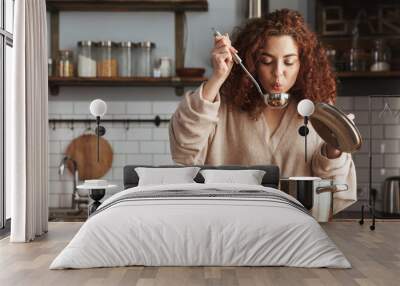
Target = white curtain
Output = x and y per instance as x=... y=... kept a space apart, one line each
x=27 y=124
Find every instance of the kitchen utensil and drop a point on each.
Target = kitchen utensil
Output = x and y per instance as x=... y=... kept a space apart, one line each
x=391 y=195
x=273 y=100
x=83 y=150
x=335 y=128
x=302 y=189
x=314 y=193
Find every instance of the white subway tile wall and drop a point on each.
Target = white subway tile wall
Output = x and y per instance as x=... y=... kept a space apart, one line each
x=385 y=117
x=136 y=143
x=145 y=143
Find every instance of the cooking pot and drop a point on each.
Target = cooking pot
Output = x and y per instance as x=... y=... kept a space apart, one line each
x=314 y=193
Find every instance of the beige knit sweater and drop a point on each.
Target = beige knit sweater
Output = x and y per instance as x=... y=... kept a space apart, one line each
x=207 y=133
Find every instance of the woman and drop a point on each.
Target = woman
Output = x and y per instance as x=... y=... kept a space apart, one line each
x=226 y=121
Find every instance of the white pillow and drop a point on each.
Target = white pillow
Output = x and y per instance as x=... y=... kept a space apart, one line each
x=249 y=177
x=162 y=176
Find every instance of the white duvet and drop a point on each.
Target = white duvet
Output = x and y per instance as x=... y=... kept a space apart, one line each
x=200 y=231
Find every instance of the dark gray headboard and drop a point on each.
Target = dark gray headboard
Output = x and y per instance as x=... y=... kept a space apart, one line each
x=270 y=179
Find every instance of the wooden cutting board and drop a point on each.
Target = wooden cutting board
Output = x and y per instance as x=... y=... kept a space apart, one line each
x=83 y=150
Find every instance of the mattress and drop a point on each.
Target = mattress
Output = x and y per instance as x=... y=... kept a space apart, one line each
x=201 y=225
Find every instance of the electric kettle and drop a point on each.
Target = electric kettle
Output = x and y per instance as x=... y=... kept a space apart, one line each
x=391 y=195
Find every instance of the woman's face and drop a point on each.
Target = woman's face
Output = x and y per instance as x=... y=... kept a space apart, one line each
x=279 y=64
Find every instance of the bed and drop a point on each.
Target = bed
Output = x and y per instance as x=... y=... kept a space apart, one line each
x=201 y=224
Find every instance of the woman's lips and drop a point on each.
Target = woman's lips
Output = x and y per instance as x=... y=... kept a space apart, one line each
x=277 y=88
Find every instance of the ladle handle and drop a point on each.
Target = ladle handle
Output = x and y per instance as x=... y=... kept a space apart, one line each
x=251 y=77
x=236 y=59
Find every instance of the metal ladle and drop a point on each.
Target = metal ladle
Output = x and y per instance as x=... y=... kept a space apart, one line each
x=273 y=100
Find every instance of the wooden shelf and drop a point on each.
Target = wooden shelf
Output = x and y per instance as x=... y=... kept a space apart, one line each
x=178 y=7
x=368 y=74
x=127 y=5
x=177 y=82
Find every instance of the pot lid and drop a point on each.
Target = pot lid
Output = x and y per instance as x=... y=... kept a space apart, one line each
x=335 y=128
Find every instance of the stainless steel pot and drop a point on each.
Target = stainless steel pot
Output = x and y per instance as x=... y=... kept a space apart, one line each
x=391 y=195
x=314 y=193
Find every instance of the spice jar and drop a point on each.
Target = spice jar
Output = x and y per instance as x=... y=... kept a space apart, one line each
x=145 y=59
x=357 y=60
x=165 y=67
x=135 y=58
x=50 y=67
x=107 y=63
x=65 y=63
x=125 y=59
x=331 y=54
x=86 y=59
x=380 y=56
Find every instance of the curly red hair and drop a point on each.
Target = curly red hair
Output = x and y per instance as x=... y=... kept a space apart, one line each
x=315 y=81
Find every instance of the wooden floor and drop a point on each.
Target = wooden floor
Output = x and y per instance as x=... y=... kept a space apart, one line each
x=375 y=256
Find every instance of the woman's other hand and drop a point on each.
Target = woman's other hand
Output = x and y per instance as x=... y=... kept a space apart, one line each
x=332 y=152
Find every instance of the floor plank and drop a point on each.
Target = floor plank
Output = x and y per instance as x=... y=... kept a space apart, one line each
x=374 y=255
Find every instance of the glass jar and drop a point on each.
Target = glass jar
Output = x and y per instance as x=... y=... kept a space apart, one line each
x=86 y=59
x=107 y=65
x=50 y=67
x=135 y=58
x=65 y=63
x=331 y=54
x=165 y=65
x=145 y=59
x=380 y=56
x=125 y=59
x=357 y=60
